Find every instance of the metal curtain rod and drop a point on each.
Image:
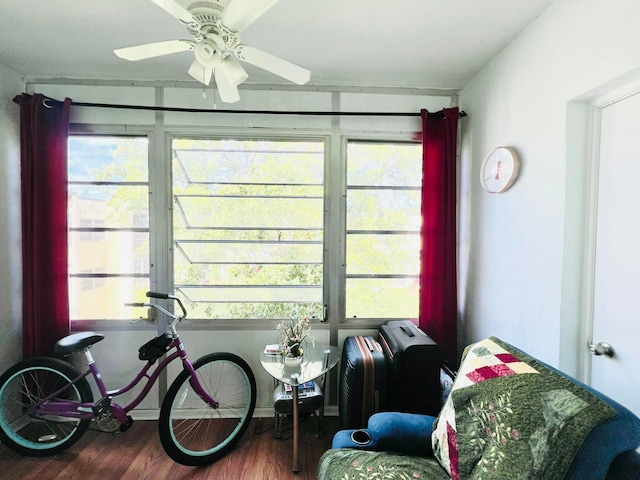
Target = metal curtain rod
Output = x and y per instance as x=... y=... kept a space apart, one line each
x=439 y=114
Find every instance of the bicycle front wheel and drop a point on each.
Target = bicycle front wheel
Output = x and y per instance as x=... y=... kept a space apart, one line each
x=192 y=432
x=24 y=385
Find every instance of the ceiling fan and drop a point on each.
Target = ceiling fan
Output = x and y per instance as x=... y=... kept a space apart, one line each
x=215 y=26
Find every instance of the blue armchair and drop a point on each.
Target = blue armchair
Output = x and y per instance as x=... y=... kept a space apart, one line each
x=509 y=416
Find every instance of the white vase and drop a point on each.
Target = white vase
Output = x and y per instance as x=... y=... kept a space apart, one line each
x=292 y=361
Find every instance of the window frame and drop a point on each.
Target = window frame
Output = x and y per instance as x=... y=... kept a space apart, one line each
x=161 y=247
x=363 y=137
x=242 y=135
x=99 y=130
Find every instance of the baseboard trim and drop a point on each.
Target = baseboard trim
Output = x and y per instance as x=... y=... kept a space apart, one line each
x=261 y=412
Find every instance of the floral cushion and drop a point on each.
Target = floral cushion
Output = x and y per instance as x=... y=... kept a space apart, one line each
x=510 y=416
x=348 y=464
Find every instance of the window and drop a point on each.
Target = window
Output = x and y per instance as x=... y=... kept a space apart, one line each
x=383 y=230
x=108 y=225
x=248 y=227
x=247 y=239
x=90 y=282
x=88 y=234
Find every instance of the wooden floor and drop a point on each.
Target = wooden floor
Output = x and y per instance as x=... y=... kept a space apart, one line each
x=137 y=455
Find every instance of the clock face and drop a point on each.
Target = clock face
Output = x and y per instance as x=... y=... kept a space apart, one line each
x=499 y=169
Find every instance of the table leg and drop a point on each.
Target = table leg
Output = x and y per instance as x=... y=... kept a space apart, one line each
x=296 y=467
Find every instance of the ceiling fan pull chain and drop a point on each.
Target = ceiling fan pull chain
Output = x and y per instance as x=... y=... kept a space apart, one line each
x=204 y=93
x=215 y=107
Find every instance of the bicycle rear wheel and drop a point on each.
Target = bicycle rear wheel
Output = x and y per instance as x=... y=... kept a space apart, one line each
x=25 y=384
x=192 y=432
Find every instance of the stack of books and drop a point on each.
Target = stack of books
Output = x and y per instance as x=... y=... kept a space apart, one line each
x=272 y=349
x=304 y=389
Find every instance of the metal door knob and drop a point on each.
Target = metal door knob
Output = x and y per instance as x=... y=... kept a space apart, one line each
x=602 y=348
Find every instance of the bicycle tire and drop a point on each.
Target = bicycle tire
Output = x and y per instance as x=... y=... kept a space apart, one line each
x=191 y=432
x=23 y=385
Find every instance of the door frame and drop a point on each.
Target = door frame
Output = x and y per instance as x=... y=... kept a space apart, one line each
x=595 y=108
x=582 y=144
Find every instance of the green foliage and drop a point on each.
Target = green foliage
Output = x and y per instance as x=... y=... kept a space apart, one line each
x=125 y=204
x=229 y=193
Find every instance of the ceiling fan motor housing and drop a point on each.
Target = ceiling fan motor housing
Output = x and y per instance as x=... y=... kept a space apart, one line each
x=209 y=24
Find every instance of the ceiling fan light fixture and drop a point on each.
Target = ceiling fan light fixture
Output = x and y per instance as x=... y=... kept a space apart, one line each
x=233 y=70
x=200 y=72
x=228 y=91
x=207 y=53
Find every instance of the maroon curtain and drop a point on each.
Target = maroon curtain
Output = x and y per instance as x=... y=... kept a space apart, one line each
x=438 y=279
x=44 y=128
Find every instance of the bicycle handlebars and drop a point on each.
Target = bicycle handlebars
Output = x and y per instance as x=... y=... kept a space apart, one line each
x=164 y=296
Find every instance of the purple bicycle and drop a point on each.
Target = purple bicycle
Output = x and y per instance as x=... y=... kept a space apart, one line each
x=46 y=404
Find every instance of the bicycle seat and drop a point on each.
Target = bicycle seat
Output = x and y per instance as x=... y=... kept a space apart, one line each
x=75 y=342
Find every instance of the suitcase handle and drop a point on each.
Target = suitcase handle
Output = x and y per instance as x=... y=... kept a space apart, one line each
x=407 y=330
x=369 y=344
x=386 y=347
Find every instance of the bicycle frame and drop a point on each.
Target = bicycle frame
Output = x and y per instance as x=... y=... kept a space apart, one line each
x=51 y=405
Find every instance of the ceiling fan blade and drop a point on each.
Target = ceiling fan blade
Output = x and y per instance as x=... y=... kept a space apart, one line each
x=176 y=10
x=283 y=68
x=200 y=72
x=228 y=91
x=239 y=14
x=150 y=50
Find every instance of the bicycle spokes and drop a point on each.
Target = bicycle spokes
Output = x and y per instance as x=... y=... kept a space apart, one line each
x=194 y=433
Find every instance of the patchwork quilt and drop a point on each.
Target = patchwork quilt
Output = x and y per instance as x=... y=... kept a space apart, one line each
x=509 y=416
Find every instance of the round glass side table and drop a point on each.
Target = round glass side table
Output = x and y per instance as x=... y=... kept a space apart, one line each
x=317 y=360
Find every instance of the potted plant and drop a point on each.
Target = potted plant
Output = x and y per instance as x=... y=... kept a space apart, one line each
x=294 y=334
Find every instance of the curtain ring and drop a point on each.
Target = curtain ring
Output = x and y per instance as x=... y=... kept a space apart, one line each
x=44 y=102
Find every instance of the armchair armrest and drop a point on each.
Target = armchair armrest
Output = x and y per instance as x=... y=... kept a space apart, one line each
x=406 y=433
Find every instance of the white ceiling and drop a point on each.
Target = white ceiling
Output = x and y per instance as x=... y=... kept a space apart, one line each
x=382 y=43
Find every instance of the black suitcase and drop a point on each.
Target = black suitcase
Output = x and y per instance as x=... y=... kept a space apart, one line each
x=414 y=361
x=363 y=381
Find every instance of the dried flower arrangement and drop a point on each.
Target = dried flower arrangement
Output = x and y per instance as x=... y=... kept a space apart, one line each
x=294 y=335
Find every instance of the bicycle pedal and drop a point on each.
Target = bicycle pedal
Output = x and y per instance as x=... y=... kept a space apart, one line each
x=102 y=406
x=126 y=425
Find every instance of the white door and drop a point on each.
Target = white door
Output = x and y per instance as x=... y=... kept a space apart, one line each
x=616 y=288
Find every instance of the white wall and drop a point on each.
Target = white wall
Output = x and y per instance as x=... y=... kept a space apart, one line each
x=10 y=229
x=520 y=270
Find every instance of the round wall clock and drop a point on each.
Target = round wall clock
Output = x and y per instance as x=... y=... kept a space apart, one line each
x=500 y=169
